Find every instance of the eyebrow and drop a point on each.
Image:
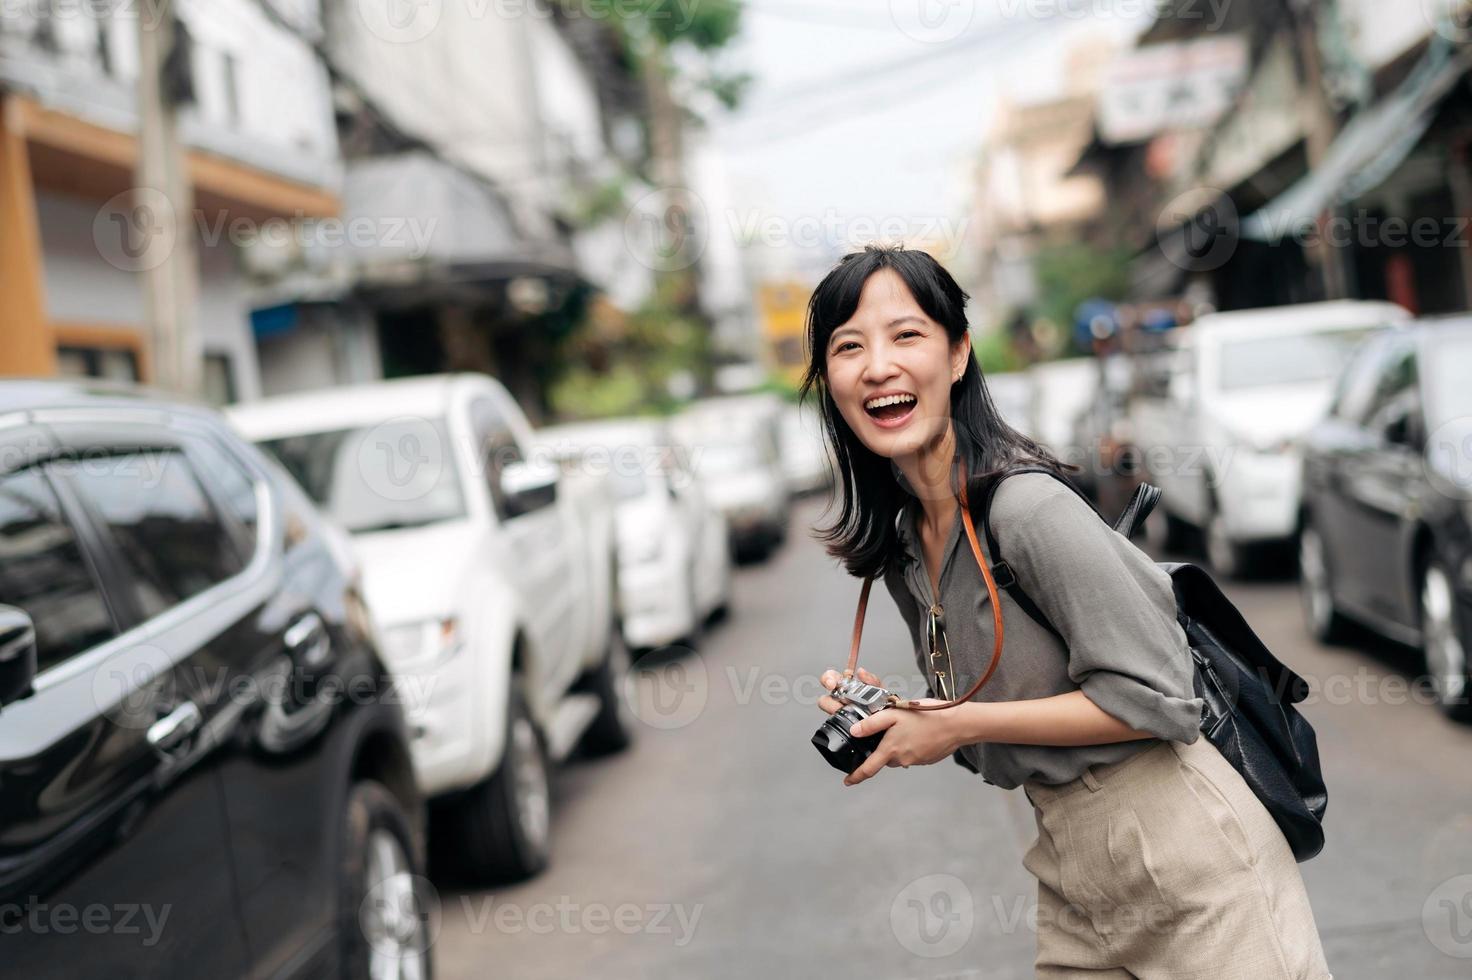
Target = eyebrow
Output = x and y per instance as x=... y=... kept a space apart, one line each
x=907 y=318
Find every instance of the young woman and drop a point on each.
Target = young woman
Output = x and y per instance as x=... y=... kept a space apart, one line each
x=1153 y=857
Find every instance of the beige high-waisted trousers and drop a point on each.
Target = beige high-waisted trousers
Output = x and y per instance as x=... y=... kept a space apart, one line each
x=1166 y=866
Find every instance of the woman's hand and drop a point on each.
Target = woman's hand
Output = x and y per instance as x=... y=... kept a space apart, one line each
x=911 y=738
x=831 y=679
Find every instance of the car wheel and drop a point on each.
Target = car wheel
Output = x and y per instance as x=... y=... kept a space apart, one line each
x=612 y=729
x=384 y=915
x=1226 y=557
x=505 y=822
x=1315 y=594
x=1446 y=656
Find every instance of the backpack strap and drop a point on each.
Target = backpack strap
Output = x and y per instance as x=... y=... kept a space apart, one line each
x=1005 y=577
x=1142 y=502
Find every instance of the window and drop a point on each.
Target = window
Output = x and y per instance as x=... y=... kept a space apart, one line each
x=169 y=539
x=43 y=573
x=111 y=363
x=1357 y=384
x=236 y=486
x=495 y=447
x=396 y=474
x=1286 y=359
x=1395 y=380
x=219 y=380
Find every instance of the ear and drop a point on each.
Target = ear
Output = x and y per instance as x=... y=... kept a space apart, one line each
x=960 y=355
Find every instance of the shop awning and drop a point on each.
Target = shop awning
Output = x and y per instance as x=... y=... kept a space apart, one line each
x=1369 y=149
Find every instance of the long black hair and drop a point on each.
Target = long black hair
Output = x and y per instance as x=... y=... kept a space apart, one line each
x=863 y=537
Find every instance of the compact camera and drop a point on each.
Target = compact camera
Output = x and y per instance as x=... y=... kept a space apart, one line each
x=843 y=751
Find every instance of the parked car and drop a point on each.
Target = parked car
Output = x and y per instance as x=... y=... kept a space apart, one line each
x=1221 y=435
x=1059 y=391
x=736 y=454
x=493 y=593
x=674 y=559
x=807 y=463
x=1386 y=537
x=1012 y=393
x=205 y=769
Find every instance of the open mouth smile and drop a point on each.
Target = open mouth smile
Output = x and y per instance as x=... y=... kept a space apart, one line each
x=890 y=411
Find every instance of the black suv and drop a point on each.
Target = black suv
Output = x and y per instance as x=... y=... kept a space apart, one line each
x=1386 y=536
x=204 y=769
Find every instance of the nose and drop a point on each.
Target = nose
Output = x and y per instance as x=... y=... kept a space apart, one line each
x=879 y=364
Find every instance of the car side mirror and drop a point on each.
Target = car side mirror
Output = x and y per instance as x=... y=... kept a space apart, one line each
x=17 y=654
x=527 y=486
x=1397 y=430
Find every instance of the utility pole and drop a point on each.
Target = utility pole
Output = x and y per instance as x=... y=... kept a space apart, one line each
x=163 y=205
x=1321 y=126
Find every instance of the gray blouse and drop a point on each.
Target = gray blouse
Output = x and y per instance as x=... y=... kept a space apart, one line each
x=1109 y=600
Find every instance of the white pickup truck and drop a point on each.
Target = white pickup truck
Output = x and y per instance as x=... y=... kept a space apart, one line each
x=490 y=576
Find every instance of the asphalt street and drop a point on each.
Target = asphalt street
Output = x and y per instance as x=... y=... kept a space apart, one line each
x=722 y=846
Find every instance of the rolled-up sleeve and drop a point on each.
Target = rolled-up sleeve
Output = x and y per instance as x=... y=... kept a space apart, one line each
x=1114 y=607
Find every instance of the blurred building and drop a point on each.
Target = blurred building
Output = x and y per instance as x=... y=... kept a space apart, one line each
x=476 y=152
x=1026 y=196
x=261 y=147
x=1344 y=129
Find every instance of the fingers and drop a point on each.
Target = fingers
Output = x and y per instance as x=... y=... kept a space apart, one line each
x=874 y=724
x=869 y=678
x=829 y=704
x=877 y=761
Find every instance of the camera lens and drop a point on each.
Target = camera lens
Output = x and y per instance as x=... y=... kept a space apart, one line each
x=843 y=751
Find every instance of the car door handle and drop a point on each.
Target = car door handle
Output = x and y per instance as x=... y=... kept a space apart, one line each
x=307 y=642
x=174 y=727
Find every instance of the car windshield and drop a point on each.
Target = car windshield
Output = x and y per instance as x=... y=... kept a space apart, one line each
x=1447 y=370
x=1291 y=358
x=396 y=474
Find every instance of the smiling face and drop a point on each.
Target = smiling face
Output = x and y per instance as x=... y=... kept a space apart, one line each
x=890 y=368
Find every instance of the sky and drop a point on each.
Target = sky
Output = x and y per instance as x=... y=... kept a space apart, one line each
x=870 y=113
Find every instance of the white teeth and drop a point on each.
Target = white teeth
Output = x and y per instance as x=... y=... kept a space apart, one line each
x=889 y=400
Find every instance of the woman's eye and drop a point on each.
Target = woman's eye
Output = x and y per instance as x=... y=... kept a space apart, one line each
x=841 y=347
x=909 y=333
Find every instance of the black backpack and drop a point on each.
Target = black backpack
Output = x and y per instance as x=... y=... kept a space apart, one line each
x=1248 y=693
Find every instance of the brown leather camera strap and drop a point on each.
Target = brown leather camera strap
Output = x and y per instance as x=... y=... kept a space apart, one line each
x=991 y=588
